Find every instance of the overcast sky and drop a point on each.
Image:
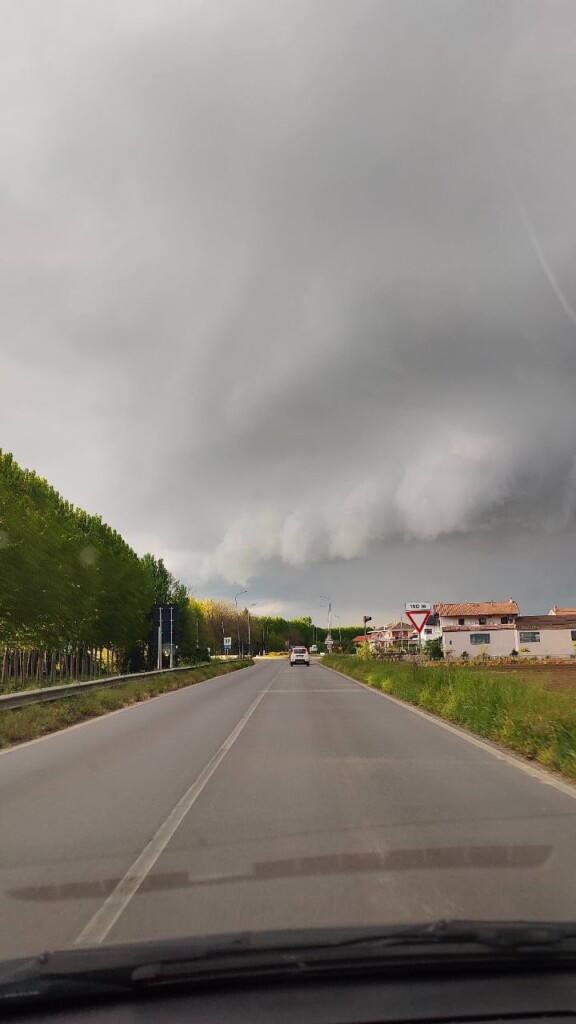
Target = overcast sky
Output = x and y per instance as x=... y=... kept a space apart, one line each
x=288 y=289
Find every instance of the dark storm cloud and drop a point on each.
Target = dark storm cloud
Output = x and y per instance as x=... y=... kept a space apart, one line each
x=291 y=283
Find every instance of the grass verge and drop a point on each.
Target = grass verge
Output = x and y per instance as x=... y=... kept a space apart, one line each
x=27 y=723
x=517 y=713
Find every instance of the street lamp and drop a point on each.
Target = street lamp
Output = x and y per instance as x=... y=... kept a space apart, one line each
x=237 y=617
x=324 y=598
x=253 y=605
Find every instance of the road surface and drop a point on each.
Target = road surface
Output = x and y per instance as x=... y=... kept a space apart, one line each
x=271 y=797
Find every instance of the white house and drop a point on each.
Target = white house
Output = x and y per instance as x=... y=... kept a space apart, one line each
x=542 y=636
x=482 y=627
x=432 y=630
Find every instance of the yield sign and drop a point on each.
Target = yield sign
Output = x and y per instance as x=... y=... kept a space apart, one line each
x=419 y=619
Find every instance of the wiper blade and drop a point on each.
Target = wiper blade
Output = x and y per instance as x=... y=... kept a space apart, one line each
x=448 y=941
x=121 y=971
x=497 y=935
x=31 y=986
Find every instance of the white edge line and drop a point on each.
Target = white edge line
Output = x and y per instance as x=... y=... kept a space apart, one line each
x=516 y=761
x=107 y=714
x=106 y=917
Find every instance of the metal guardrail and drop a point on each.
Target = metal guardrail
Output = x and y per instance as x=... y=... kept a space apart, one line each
x=48 y=693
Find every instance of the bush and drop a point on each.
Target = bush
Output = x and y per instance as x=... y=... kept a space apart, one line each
x=434 y=649
x=365 y=652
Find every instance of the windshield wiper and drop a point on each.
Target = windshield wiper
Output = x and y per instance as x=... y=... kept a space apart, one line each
x=498 y=935
x=130 y=970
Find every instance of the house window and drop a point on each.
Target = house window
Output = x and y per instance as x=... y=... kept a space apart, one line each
x=481 y=622
x=505 y=620
x=460 y=622
x=573 y=635
x=529 y=638
x=479 y=638
x=429 y=633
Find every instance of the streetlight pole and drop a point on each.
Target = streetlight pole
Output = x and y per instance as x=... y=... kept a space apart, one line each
x=160 y=640
x=249 y=633
x=324 y=598
x=238 y=618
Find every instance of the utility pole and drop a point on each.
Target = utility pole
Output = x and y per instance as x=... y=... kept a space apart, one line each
x=324 y=598
x=160 y=640
x=249 y=631
x=171 y=636
x=238 y=618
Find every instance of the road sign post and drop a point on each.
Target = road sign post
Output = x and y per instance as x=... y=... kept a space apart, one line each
x=418 y=612
x=227 y=644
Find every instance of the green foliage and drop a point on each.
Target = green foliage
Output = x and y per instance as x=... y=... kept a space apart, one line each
x=279 y=633
x=365 y=652
x=69 y=580
x=434 y=649
x=521 y=715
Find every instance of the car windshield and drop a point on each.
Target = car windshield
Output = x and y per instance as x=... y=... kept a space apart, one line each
x=287 y=467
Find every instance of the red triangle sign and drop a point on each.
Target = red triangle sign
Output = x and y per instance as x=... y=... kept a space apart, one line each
x=419 y=619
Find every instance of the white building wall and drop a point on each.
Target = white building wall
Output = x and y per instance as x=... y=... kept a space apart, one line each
x=471 y=621
x=502 y=641
x=554 y=643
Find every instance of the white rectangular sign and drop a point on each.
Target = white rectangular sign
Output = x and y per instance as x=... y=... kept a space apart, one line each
x=227 y=641
x=418 y=606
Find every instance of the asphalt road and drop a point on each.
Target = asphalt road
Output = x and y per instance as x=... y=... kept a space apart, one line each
x=272 y=797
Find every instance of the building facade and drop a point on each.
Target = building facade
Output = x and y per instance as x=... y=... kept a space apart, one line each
x=475 y=628
x=546 y=636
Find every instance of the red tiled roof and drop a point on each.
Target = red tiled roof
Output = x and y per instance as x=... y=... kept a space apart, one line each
x=563 y=611
x=478 y=608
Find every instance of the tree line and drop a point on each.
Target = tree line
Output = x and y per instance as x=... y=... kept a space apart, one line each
x=76 y=600
x=74 y=596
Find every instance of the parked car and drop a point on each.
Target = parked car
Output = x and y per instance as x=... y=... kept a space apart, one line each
x=299 y=656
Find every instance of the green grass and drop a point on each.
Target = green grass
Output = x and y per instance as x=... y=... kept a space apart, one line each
x=517 y=713
x=27 y=723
